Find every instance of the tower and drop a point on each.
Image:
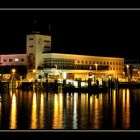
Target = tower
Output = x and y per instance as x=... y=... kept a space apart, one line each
x=36 y=45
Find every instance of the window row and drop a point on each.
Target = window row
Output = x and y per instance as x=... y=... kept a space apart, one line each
x=44 y=40
x=14 y=60
x=59 y=60
x=80 y=67
x=116 y=68
x=96 y=62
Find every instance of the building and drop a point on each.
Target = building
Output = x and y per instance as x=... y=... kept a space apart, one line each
x=41 y=63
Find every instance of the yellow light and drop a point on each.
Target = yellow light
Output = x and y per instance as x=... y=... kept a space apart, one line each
x=13 y=70
x=96 y=65
x=13 y=113
x=127 y=66
x=64 y=75
x=34 y=70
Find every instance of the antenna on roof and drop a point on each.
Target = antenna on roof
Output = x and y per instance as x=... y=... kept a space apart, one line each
x=35 y=27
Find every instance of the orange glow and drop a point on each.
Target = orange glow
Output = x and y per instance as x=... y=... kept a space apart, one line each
x=114 y=108
x=42 y=111
x=34 y=71
x=34 y=112
x=96 y=113
x=126 y=109
x=13 y=113
x=58 y=111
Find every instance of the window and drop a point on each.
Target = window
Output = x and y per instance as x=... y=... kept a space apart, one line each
x=104 y=62
x=116 y=63
x=16 y=59
x=82 y=62
x=90 y=62
x=110 y=63
x=46 y=40
x=86 y=62
x=10 y=60
x=4 y=60
x=30 y=38
x=93 y=62
x=100 y=62
x=22 y=59
x=31 y=46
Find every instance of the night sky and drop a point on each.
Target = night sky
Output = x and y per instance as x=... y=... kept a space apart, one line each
x=101 y=33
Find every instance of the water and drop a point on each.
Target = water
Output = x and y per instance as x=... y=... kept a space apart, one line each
x=31 y=110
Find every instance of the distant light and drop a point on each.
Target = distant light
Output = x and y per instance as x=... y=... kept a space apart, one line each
x=16 y=59
x=13 y=70
x=34 y=70
x=64 y=75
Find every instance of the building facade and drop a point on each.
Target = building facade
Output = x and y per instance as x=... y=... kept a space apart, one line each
x=41 y=62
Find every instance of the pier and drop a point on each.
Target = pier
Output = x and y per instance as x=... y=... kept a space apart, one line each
x=67 y=87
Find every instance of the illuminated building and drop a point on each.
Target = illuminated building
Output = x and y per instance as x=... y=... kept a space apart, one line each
x=43 y=63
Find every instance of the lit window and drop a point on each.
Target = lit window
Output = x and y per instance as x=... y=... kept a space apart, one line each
x=46 y=40
x=16 y=59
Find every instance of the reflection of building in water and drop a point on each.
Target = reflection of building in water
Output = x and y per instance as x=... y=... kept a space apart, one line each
x=75 y=111
x=58 y=111
x=41 y=116
x=13 y=113
x=0 y=108
x=126 y=109
x=84 y=110
x=34 y=112
x=114 y=108
x=41 y=62
x=96 y=106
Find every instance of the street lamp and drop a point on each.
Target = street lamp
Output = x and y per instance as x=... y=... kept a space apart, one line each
x=127 y=66
x=13 y=71
x=34 y=72
x=96 y=66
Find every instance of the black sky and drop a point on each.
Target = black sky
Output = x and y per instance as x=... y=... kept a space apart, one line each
x=102 y=33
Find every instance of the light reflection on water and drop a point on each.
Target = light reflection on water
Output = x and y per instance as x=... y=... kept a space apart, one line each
x=34 y=112
x=68 y=110
x=13 y=113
